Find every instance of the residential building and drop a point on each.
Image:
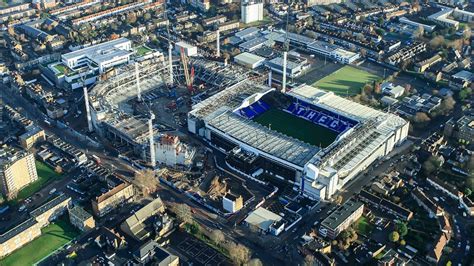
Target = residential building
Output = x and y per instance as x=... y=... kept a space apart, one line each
x=17 y=170
x=151 y=251
x=44 y=4
x=431 y=207
x=81 y=219
x=322 y=2
x=468 y=206
x=435 y=253
x=214 y=20
x=202 y=5
x=108 y=201
x=392 y=90
x=232 y=203
x=251 y=11
x=19 y=236
x=32 y=136
x=30 y=229
x=388 y=206
x=229 y=25
x=427 y=63
x=138 y=225
x=447 y=188
x=341 y=219
x=51 y=210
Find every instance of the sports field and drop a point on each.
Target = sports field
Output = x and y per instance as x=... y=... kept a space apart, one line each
x=296 y=127
x=52 y=237
x=346 y=81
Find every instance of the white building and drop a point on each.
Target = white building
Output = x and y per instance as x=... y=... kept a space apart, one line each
x=249 y=60
x=394 y=91
x=104 y=55
x=251 y=11
x=170 y=151
x=189 y=50
x=232 y=203
x=263 y=220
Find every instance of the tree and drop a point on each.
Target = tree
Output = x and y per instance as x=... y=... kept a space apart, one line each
x=437 y=42
x=401 y=228
x=421 y=118
x=418 y=33
x=466 y=33
x=217 y=236
x=183 y=213
x=467 y=192
x=147 y=16
x=403 y=242
x=131 y=18
x=239 y=254
x=339 y=200
x=431 y=165
x=465 y=93
x=308 y=260
x=394 y=236
x=58 y=169
x=255 y=262
x=447 y=105
x=146 y=181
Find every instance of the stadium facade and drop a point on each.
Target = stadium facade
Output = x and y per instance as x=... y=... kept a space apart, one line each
x=354 y=135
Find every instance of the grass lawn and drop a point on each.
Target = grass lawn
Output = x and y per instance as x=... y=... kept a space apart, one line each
x=53 y=237
x=265 y=21
x=45 y=175
x=363 y=226
x=61 y=68
x=142 y=50
x=346 y=81
x=296 y=127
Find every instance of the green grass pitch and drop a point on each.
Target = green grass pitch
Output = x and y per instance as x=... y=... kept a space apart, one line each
x=346 y=81
x=53 y=236
x=296 y=127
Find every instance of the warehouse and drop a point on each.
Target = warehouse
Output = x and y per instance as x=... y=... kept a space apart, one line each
x=249 y=60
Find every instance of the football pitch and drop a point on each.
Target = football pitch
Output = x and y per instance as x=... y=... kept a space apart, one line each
x=347 y=81
x=296 y=127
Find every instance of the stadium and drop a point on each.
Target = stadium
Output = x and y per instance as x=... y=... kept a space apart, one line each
x=311 y=138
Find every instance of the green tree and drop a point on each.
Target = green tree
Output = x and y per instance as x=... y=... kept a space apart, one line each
x=394 y=236
x=431 y=165
x=147 y=16
x=467 y=192
x=401 y=228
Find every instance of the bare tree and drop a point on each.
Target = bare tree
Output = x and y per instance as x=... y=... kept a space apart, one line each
x=308 y=260
x=217 y=236
x=418 y=33
x=183 y=213
x=255 y=262
x=421 y=118
x=146 y=181
x=239 y=254
x=437 y=42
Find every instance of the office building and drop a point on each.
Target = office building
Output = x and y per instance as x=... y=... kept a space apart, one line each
x=17 y=170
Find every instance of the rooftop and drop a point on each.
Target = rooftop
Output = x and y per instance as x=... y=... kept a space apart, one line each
x=262 y=218
x=341 y=214
x=100 y=52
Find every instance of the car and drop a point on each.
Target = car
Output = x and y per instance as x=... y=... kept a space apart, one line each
x=22 y=208
x=51 y=192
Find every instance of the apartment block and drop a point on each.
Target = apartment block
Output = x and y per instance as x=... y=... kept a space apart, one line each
x=341 y=219
x=17 y=170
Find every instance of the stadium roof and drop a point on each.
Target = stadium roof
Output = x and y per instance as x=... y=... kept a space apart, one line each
x=264 y=139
